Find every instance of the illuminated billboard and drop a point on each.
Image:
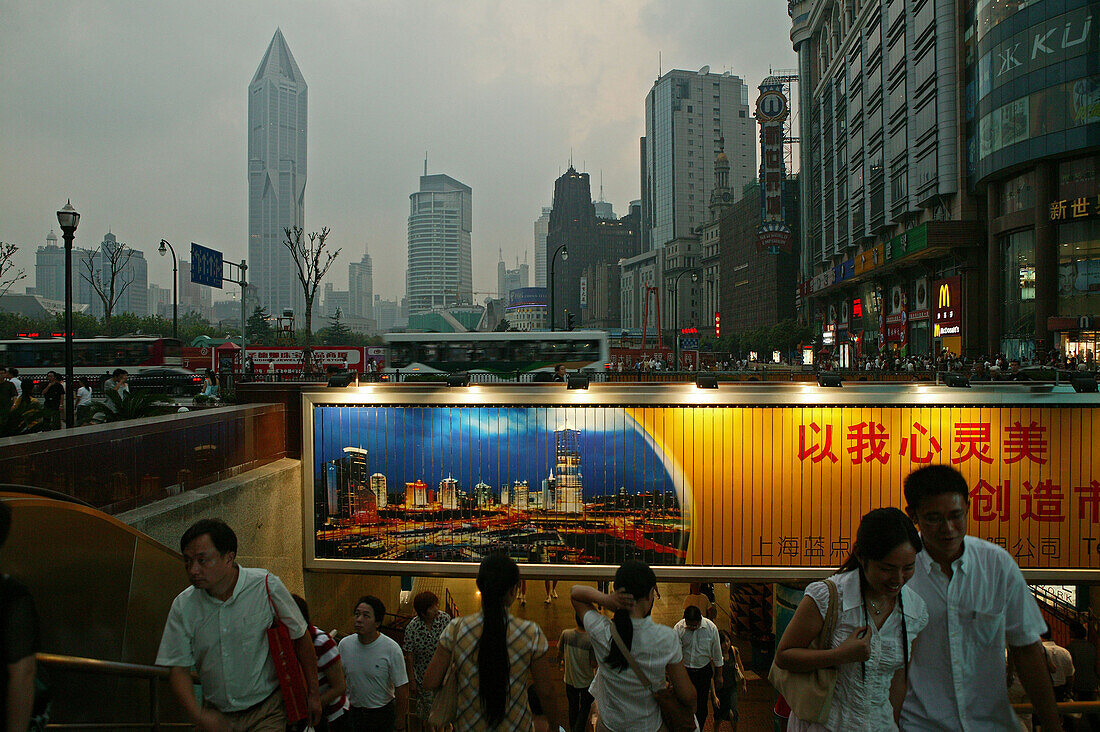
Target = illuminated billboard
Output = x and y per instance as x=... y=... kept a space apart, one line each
x=748 y=481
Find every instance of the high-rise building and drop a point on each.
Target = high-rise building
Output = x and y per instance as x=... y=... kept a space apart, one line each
x=448 y=493
x=542 y=226
x=688 y=116
x=160 y=301
x=440 y=272
x=416 y=494
x=193 y=297
x=569 y=483
x=336 y=300
x=49 y=269
x=361 y=288
x=119 y=273
x=510 y=279
x=276 y=175
x=378 y=488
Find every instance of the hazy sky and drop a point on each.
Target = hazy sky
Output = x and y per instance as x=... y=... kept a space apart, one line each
x=137 y=111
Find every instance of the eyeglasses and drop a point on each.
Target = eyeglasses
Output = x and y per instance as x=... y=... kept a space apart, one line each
x=939 y=519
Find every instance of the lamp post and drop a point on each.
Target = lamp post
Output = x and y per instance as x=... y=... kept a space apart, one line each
x=564 y=256
x=68 y=218
x=676 y=310
x=175 y=284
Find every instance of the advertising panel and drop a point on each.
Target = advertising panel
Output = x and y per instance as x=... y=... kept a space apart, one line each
x=947 y=315
x=725 y=485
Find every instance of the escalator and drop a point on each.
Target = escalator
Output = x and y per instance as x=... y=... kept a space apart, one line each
x=102 y=591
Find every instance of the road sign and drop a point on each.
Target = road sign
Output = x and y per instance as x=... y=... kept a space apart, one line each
x=206 y=266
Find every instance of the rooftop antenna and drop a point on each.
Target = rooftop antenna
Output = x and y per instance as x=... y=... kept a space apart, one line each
x=601 y=185
x=659 y=69
x=570 y=157
x=425 y=162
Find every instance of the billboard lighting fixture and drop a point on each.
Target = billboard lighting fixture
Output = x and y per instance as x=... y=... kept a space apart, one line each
x=341 y=381
x=829 y=379
x=956 y=381
x=1083 y=384
x=459 y=379
x=577 y=381
x=706 y=381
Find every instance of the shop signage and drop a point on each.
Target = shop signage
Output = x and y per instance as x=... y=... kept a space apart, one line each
x=744 y=484
x=947 y=315
x=896 y=327
x=1069 y=209
x=717 y=325
x=772 y=109
x=921 y=310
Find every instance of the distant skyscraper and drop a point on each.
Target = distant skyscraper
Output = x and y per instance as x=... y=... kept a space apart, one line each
x=440 y=272
x=448 y=493
x=49 y=269
x=542 y=226
x=687 y=114
x=194 y=298
x=510 y=279
x=276 y=175
x=131 y=278
x=361 y=288
x=569 y=486
x=378 y=488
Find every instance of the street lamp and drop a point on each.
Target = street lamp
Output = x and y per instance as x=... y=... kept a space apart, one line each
x=676 y=310
x=175 y=284
x=564 y=256
x=68 y=218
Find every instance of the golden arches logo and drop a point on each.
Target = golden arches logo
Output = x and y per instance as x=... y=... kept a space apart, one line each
x=945 y=296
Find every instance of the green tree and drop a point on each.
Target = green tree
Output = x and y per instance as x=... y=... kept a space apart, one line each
x=259 y=327
x=336 y=333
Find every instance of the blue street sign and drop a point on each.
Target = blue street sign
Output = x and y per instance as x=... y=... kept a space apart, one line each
x=689 y=344
x=206 y=266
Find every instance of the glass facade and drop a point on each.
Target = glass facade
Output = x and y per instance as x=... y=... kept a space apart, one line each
x=1033 y=86
x=1018 y=255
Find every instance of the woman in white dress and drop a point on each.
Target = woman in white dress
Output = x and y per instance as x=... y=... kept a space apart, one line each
x=877 y=619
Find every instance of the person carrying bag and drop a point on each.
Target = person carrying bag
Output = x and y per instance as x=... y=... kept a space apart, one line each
x=677 y=716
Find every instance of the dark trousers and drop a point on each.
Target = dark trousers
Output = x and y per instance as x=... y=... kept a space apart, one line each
x=700 y=679
x=383 y=719
x=1092 y=718
x=580 y=705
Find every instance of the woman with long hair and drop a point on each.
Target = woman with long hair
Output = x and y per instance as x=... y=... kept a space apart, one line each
x=624 y=703
x=877 y=618
x=495 y=656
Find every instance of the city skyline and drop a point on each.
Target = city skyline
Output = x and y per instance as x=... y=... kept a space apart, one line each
x=513 y=111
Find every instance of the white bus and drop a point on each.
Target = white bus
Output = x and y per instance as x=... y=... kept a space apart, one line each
x=503 y=355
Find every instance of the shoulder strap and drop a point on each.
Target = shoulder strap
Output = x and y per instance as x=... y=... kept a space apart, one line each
x=630 y=657
x=829 y=626
x=267 y=587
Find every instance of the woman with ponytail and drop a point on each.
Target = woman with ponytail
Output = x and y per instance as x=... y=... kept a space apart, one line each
x=877 y=619
x=495 y=656
x=624 y=703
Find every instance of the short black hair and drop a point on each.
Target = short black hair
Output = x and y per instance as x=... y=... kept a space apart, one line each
x=13 y=371
x=119 y=372
x=303 y=606
x=933 y=480
x=693 y=614
x=1077 y=629
x=424 y=601
x=376 y=605
x=5 y=521
x=221 y=535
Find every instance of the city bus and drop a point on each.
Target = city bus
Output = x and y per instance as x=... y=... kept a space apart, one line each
x=504 y=355
x=91 y=356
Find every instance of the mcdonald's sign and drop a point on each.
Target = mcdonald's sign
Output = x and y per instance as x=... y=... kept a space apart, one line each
x=947 y=314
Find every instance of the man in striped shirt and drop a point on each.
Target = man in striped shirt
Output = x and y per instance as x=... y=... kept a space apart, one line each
x=330 y=675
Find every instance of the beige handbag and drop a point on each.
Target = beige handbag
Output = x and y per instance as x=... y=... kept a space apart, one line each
x=809 y=694
x=445 y=703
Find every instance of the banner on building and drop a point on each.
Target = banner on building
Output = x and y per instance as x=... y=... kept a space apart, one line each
x=772 y=111
x=947 y=315
x=730 y=485
x=921 y=309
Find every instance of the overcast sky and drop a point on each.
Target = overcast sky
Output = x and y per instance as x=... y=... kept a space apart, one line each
x=137 y=111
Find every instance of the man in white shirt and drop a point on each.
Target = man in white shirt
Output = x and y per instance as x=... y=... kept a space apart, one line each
x=977 y=602
x=702 y=651
x=219 y=626
x=374 y=667
x=1060 y=665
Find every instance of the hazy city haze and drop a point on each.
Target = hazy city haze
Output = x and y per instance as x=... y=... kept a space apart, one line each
x=138 y=112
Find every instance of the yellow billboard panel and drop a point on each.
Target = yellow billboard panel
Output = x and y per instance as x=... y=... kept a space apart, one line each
x=786 y=486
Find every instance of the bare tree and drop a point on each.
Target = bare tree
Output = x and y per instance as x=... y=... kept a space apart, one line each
x=111 y=278
x=9 y=275
x=312 y=260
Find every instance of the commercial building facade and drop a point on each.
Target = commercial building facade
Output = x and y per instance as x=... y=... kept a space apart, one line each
x=440 y=271
x=690 y=116
x=277 y=106
x=526 y=309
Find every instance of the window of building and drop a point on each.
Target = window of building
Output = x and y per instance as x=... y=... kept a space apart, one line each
x=1017 y=194
x=1079 y=268
x=742 y=113
x=1018 y=315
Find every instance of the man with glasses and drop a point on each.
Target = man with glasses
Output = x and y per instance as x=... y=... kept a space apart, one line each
x=218 y=626
x=978 y=601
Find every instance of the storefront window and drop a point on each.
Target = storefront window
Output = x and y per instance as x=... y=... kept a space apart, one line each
x=1079 y=268
x=1018 y=316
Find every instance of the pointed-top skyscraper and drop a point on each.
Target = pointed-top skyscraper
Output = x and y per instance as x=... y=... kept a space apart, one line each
x=276 y=175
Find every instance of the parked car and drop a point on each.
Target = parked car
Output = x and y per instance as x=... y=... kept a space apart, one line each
x=171 y=380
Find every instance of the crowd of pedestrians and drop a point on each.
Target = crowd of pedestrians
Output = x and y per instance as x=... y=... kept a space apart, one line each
x=914 y=624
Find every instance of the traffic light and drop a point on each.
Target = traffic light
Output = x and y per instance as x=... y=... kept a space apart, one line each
x=570 y=320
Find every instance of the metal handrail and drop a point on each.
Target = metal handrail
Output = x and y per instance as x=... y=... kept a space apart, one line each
x=1070 y=706
x=154 y=674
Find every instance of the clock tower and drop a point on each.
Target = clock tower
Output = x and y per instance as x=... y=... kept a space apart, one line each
x=721 y=198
